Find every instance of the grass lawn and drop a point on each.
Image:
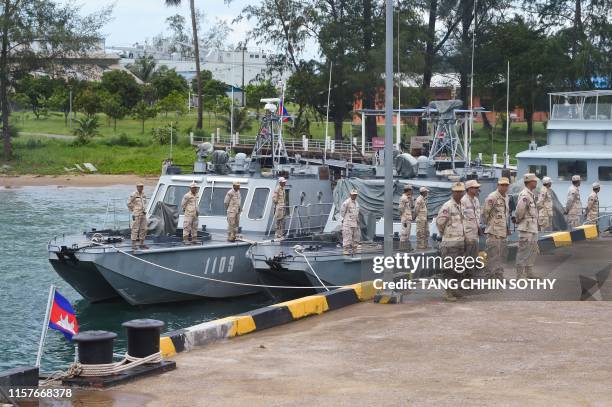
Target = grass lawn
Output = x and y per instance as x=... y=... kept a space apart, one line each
x=41 y=155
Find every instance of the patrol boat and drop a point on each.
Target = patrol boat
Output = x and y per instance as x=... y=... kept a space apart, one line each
x=579 y=142
x=100 y=264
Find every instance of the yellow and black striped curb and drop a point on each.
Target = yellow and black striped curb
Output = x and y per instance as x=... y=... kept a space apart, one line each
x=560 y=239
x=184 y=340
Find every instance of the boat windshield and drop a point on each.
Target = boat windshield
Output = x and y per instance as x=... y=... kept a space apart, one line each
x=174 y=195
x=211 y=203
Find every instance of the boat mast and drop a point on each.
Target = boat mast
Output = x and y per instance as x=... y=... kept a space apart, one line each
x=331 y=66
x=388 y=195
x=468 y=144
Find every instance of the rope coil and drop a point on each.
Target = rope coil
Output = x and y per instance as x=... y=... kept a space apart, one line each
x=106 y=369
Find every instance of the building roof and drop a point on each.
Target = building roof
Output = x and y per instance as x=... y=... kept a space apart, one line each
x=584 y=93
x=569 y=152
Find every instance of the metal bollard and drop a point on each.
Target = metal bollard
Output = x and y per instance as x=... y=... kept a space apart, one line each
x=95 y=347
x=143 y=336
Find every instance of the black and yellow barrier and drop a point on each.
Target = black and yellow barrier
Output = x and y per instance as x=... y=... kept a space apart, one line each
x=262 y=318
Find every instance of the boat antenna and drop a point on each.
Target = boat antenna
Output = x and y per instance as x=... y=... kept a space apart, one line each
x=331 y=66
x=171 y=140
x=506 y=157
x=468 y=146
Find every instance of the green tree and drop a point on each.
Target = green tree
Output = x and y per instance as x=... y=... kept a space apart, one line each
x=175 y=102
x=143 y=112
x=196 y=52
x=123 y=85
x=60 y=101
x=256 y=91
x=167 y=80
x=143 y=68
x=37 y=90
x=89 y=101
x=113 y=108
x=57 y=28
x=240 y=120
x=86 y=129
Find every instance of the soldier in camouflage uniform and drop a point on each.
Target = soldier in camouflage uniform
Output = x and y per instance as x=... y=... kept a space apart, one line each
x=545 y=206
x=191 y=213
x=592 y=209
x=471 y=218
x=526 y=219
x=420 y=215
x=351 y=232
x=278 y=198
x=405 y=208
x=573 y=207
x=495 y=217
x=232 y=207
x=450 y=224
x=137 y=204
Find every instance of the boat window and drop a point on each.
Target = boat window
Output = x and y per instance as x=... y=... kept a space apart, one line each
x=211 y=203
x=538 y=170
x=605 y=173
x=567 y=168
x=258 y=204
x=174 y=195
x=157 y=196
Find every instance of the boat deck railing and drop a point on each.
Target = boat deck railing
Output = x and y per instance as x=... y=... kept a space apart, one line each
x=307 y=218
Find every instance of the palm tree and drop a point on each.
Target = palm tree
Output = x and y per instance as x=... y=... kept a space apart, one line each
x=143 y=68
x=196 y=52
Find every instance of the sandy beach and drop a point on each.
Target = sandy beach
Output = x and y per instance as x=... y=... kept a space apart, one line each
x=85 y=180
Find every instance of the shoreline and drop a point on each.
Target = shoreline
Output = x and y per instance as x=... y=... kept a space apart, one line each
x=74 y=180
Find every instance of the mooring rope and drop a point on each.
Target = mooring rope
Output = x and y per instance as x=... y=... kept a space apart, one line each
x=106 y=369
x=296 y=248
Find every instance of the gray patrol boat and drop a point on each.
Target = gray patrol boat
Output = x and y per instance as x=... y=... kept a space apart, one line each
x=100 y=264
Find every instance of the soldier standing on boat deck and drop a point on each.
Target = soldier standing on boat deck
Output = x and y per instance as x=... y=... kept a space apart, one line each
x=405 y=208
x=137 y=204
x=351 y=232
x=471 y=218
x=450 y=224
x=495 y=217
x=191 y=214
x=545 y=206
x=592 y=209
x=278 y=198
x=420 y=215
x=232 y=206
x=573 y=207
x=526 y=219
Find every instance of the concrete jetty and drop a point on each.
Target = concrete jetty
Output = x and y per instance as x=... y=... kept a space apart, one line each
x=488 y=348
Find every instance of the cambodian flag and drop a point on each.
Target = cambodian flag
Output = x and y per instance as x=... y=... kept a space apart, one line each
x=62 y=317
x=283 y=112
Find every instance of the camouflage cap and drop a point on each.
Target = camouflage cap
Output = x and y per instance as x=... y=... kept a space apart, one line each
x=503 y=181
x=596 y=185
x=236 y=183
x=575 y=178
x=458 y=187
x=423 y=189
x=407 y=187
x=530 y=177
x=472 y=184
x=354 y=192
x=282 y=179
x=546 y=180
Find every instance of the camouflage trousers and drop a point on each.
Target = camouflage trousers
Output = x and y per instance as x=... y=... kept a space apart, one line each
x=573 y=221
x=139 y=227
x=527 y=249
x=422 y=234
x=497 y=248
x=591 y=218
x=280 y=226
x=545 y=223
x=405 y=235
x=233 y=222
x=351 y=236
x=454 y=250
x=190 y=227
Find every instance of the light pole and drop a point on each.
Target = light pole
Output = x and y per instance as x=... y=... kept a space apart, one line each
x=70 y=105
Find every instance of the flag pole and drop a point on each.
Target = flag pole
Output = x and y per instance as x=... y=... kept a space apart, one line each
x=43 y=334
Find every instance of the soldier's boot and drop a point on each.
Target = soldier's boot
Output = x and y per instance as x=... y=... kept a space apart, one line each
x=143 y=246
x=346 y=250
x=133 y=245
x=357 y=249
x=449 y=295
x=529 y=273
x=520 y=272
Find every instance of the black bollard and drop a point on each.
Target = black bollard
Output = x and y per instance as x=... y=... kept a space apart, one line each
x=95 y=347
x=143 y=336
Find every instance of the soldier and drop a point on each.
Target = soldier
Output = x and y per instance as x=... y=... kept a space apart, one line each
x=137 y=204
x=471 y=218
x=405 y=208
x=573 y=207
x=450 y=224
x=495 y=217
x=592 y=209
x=420 y=215
x=545 y=206
x=232 y=207
x=278 y=198
x=191 y=213
x=526 y=219
x=351 y=233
